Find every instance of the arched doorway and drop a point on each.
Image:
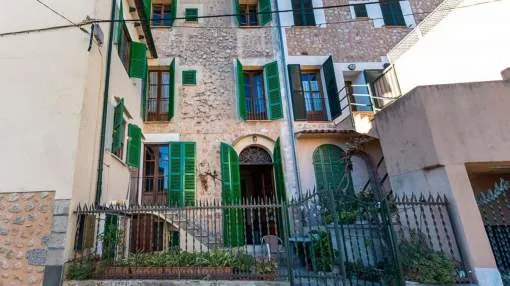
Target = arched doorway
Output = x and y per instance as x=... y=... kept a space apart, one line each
x=257 y=184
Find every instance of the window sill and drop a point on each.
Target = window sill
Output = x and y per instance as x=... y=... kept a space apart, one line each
x=161 y=27
x=157 y=122
x=258 y=120
x=396 y=27
x=250 y=27
x=115 y=157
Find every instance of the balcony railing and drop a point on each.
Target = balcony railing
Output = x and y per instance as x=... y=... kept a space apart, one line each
x=370 y=97
x=157 y=109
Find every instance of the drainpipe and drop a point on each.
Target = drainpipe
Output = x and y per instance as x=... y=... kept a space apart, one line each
x=99 y=184
x=288 y=97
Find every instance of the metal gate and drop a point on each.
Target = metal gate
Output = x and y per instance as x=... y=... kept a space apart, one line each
x=338 y=237
x=494 y=206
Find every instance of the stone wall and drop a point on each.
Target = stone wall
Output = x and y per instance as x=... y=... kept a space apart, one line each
x=207 y=113
x=25 y=228
x=348 y=39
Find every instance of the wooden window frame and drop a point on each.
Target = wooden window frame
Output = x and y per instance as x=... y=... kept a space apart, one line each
x=245 y=9
x=315 y=115
x=161 y=98
x=249 y=78
x=163 y=11
x=155 y=195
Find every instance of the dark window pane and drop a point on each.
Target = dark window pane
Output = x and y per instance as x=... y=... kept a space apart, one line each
x=360 y=10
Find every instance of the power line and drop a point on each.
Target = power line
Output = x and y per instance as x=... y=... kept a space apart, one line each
x=62 y=16
x=88 y=22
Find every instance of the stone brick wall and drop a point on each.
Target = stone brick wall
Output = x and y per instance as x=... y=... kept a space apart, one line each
x=350 y=40
x=207 y=113
x=25 y=227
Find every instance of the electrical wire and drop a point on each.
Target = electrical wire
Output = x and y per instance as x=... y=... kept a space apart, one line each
x=88 y=22
x=62 y=16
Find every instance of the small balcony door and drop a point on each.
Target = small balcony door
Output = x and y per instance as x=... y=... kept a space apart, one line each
x=155 y=178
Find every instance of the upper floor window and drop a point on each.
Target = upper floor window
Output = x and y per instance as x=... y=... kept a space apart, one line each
x=303 y=13
x=310 y=97
x=313 y=95
x=162 y=15
x=360 y=10
x=123 y=46
x=258 y=92
x=248 y=15
x=159 y=95
x=392 y=13
x=254 y=94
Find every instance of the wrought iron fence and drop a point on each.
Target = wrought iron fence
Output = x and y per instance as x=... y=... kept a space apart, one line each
x=322 y=237
x=495 y=210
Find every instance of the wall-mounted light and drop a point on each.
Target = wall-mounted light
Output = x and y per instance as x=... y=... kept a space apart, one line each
x=351 y=67
x=254 y=138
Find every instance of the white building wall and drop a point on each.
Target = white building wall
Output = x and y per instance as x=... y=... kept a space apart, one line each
x=469 y=45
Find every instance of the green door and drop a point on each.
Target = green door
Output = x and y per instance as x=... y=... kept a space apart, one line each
x=233 y=218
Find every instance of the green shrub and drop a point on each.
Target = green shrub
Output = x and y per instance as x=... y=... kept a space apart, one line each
x=81 y=270
x=322 y=250
x=423 y=264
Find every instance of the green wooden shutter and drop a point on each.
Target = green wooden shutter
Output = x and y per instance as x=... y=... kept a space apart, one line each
x=118 y=126
x=189 y=181
x=191 y=15
x=134 y=146
x=237 y=11
x=137 y=60
x=189 y=77
x=174 y=10
x=272 y=83
x=265 y=10
x=298 y=99
x=278 y=172
x=233 y=218
x=241 y=97
x=147 y=8
x=331 y=87
x=360 y=10
x=175 y=188
x=182 y=173
x=171 y=96
x=329 y=167
x=120 y=24
x=392 y=14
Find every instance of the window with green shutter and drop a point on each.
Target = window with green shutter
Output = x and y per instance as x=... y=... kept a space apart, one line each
x=189 y=77
x=233 y=219
x=118 y=129
x=182 y=181
x=137 y=60
x=392 y=13
x=328 y=71
x=191 y=15
x=253 y=13
x=161 y=99
x=303 y=13
x=272 y=83
x=134 y=146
